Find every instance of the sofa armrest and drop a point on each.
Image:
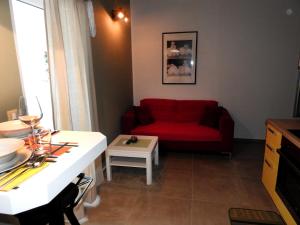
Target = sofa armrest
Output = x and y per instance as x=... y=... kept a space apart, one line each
x=128 y=121
x=226 y=127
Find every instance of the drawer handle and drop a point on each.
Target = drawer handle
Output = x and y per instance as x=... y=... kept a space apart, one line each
x=269 y=147
x=268 y=164
x=272 y=131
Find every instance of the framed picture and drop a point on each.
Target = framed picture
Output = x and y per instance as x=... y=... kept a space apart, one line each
x=179 y=57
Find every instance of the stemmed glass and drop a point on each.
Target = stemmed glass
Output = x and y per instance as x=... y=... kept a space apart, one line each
x=30 y=119
x=26 y=117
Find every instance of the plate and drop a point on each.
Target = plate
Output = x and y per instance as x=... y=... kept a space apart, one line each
x=14 y=128
x=22 y=156
x=8 y=157
x=10 y=145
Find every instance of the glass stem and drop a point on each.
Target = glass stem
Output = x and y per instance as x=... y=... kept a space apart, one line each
x=33 y=135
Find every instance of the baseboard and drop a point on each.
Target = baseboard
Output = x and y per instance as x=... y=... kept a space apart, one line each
x=247 y=140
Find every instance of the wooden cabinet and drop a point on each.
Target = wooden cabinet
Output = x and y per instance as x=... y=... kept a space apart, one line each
x=271 y=159
x=270 y=169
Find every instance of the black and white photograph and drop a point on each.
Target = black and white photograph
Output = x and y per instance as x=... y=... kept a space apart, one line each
x=179 y=57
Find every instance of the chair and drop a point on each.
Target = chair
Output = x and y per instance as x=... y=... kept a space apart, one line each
x=63 y=203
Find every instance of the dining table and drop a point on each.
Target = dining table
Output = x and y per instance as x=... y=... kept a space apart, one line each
x=45 y=185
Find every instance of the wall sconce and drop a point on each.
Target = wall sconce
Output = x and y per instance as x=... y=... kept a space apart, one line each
x=119 y=14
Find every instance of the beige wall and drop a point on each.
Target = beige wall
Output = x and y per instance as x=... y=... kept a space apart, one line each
x=10 y=87
x=112 y=67
x=247 y=55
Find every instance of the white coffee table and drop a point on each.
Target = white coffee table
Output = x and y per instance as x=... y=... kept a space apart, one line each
x=139 y=154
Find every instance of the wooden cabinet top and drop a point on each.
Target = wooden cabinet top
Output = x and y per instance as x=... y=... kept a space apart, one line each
x=283 y=126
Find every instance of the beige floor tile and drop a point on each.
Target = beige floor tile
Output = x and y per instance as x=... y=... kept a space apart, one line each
x=216 y=189
x=115 y=207
x=205 y=213
x=173 y=184
x=217 y=166
x=248 y=168
x=253 y=195
x=177 y=163
x=160 y=211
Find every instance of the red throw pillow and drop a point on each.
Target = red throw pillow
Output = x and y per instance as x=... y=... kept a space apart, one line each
x=143 y=115
x=211 y=116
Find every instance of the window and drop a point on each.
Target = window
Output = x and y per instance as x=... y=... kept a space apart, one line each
x=31 y=43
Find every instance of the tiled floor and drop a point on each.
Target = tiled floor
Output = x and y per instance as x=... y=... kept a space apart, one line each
x=188 y=189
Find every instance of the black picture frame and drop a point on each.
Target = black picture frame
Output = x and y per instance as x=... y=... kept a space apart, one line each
x=179 y=57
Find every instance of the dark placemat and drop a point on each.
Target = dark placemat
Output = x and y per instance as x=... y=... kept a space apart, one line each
x=253 y=216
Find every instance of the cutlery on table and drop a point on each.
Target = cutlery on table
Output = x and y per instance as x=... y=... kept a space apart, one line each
x=51 y=156
x=15 y=169
x=37 y=162
x=54 y=132
x=50 y=160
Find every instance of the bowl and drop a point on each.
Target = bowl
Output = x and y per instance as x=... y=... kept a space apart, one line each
x=8 y=148
x=14 y=128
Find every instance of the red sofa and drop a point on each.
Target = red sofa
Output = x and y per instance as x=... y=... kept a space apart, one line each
x=182 y=124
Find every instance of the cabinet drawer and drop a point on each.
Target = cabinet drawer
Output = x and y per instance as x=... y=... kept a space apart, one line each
x=273 y=137
x=270 y=153
x=269 y=176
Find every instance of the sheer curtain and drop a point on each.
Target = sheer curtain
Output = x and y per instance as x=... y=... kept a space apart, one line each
x=71 y=68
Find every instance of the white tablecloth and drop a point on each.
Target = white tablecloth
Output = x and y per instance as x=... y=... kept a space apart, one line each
x=41 y=188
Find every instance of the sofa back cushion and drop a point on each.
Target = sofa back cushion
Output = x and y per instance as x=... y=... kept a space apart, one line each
x=161 y=109
x=178 y=110
x=192 y=110
x=143 y=115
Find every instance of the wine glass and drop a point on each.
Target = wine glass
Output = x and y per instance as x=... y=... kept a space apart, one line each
x=27 y=118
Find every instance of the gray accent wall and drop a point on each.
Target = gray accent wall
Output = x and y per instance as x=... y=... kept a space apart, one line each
x=111 y=50
x=247 y=55
x=10 y=87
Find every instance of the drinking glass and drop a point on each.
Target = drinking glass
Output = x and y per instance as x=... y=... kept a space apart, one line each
x=30 y=119
x=43 y=142
x=26 y=117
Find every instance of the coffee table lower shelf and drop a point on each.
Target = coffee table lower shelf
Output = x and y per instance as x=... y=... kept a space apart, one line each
x=128 y=162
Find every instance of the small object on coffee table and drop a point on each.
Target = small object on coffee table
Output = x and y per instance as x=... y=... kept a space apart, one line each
x=132 y=139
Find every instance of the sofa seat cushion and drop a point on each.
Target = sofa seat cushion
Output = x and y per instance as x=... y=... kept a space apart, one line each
x=172 y=131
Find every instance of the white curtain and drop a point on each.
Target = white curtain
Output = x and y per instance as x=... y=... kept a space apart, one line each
x=70 y=64
x=70 y=61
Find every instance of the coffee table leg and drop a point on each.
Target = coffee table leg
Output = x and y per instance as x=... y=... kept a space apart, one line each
x=149 y=169
x=108 y=168
x=156 y=155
